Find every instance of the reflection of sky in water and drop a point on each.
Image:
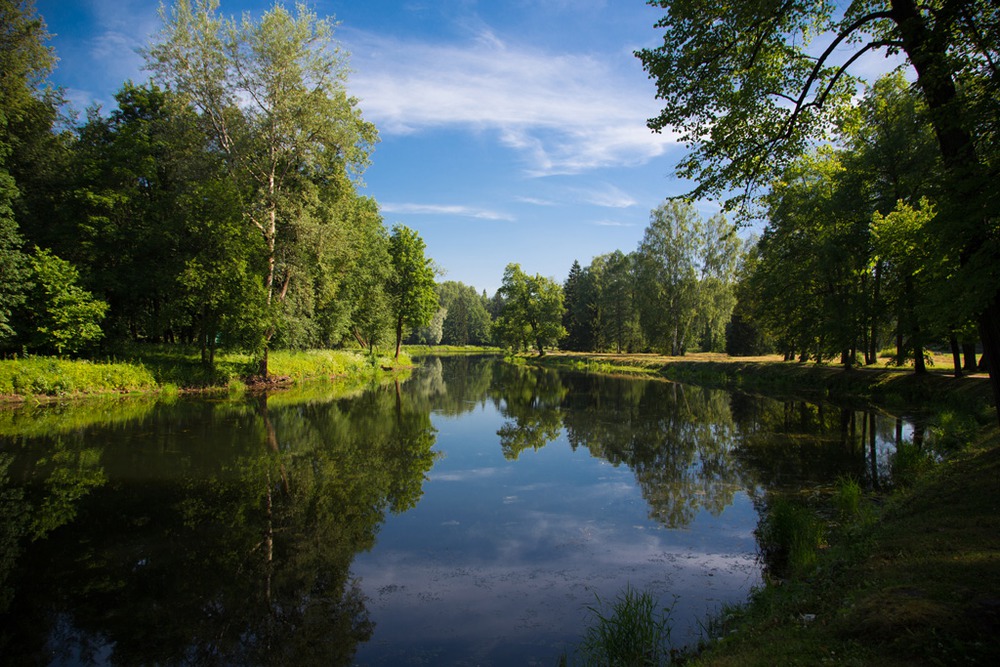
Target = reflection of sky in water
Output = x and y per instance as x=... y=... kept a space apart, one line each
x=499 y=560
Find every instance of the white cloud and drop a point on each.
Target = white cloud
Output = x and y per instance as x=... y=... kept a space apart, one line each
x=613 y=223
x=609 y=196
x=445 y=209
x=565 y=113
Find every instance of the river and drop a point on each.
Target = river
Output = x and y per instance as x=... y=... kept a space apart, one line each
x=469 y=515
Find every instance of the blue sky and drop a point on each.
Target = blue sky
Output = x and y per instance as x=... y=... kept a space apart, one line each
x=511 y=130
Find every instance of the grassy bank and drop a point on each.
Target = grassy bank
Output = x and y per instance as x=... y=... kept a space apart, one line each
x=915 y=582
x=148 y=369
x=884 y=385
x=912 y=578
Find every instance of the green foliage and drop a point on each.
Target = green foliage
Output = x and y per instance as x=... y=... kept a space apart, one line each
x=467 y=321
x=532 y=311
x=686 y=267
x=631 y=631
x=272 y=97
x=789 y=536
x=908 y=463
x=749 y=91
x=63 y=317
x=411 y=286
x=953 y=431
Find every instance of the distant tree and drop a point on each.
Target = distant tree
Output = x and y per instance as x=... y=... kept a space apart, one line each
x=532 y=311
x=432 y=332
x=616 y=315
x=467 y=322
x=668 y=272
x=578 y=317
x=411 y=284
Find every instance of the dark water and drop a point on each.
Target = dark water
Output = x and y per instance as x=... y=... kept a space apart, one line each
x=468 y=516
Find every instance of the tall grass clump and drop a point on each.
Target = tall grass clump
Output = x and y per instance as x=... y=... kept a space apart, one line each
x=632 y=631
x=847 y=497
x=789 y=536
x=908 y=463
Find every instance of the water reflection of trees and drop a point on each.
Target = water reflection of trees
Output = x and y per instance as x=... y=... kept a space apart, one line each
x=223 y=534
x=531 y=401
x=677 y=439
x=791 y=442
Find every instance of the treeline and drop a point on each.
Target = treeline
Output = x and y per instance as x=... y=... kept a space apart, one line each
x=855 y=260
x=216 y=204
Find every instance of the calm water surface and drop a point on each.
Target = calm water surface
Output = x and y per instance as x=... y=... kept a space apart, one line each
x=468 y=516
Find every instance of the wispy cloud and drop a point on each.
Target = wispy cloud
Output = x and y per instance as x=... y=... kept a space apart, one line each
x=565 y=113
x=445 y=209
x=608 y=196
x=535 y=201
x=613 y=223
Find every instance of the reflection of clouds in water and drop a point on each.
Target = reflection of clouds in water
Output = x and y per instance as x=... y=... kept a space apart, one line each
x=465 y=475
x=428 y=603
x=540 y=572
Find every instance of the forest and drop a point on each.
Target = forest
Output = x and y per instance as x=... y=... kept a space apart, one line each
x=218 y=205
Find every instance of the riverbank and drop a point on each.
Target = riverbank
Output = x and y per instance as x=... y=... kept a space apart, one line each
x=163 y=368
x=915 y=583
x=884 y=385
x=914 y=578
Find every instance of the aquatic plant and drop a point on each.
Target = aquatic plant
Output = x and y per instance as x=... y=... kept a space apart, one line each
x=630 y=631
x=789 y=536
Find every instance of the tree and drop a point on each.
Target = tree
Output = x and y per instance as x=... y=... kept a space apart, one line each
x=467 y=322
x=24 y=63
x=742 y=86
x=617 y=287
x=899 y=243
x=273 y=95
x=578 y=319
x=62 y=317
x=532 y=311
x=411 y=286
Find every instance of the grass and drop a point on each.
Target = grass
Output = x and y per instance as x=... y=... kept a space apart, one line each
x=915 y=582
x=170 y=368
x=790 y=536
x=48 y=376
x=630 y=631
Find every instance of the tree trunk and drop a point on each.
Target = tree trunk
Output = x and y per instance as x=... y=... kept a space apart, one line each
x=399 y=336
x=956 y=354
x=969 y=352
x=967 y=174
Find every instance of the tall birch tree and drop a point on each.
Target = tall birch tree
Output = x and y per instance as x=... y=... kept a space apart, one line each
x=273 y=93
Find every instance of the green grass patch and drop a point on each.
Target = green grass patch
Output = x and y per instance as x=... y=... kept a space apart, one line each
x=449 y=350
x=48 y=376
x=913 y=580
